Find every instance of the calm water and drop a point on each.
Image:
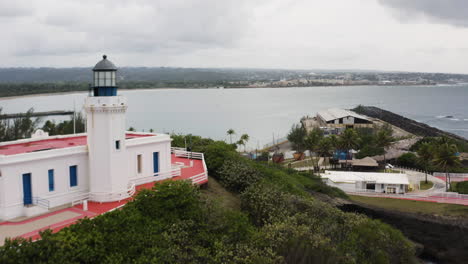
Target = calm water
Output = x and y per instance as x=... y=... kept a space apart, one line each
x=263 y=113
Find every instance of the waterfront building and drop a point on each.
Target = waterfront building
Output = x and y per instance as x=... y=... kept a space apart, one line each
x=335 y=121
x=105 y=164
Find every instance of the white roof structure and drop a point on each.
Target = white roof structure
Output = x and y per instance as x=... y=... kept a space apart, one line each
x=377 y=177
x=336 y=113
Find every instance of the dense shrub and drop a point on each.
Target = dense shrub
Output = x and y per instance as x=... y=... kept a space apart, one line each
x=236 y=175
x=408 y=160
x=462 y=187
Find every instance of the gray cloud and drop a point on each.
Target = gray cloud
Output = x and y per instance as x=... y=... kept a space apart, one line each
x=17 y=8
x=453 y=12
x=136 y=26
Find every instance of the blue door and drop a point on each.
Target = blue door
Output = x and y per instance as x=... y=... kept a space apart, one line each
x=155 y=162
x=27 y=192
x=73 y=176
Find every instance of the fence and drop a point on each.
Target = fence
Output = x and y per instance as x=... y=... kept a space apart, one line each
x=157 y=176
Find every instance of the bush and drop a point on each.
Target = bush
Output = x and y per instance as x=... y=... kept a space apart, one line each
x=237 y=175
x=408 y=160
x=462 y=187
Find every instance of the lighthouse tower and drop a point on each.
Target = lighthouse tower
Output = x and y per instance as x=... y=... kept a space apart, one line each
x=105 y=111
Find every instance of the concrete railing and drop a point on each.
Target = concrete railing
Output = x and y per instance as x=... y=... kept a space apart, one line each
x=157 y=176
x=112 y=197
x=78 y=199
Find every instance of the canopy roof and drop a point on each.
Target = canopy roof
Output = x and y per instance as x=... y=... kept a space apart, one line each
x=365 y=162
x=336 y=113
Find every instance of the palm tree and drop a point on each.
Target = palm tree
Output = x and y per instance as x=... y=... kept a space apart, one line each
x=240 y=142
x=335 y=144
x=244 y=138
x=325 y=148
x=425 y=156
x=231 y=132
x=446 y=159
x=349 y=140
x=384 y=140
x=312 y=141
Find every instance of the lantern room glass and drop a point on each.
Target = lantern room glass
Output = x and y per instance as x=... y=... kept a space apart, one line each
x=104 y=79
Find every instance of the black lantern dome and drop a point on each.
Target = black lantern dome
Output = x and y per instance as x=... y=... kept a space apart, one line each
x=104 y=78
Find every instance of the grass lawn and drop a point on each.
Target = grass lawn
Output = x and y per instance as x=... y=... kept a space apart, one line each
x=214 y=191
x=426 y=186
x=401 y=205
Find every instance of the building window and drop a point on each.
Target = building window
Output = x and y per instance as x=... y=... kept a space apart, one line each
x=73 y=176
x=117 y=144
x=139 y=163
x=51 y=181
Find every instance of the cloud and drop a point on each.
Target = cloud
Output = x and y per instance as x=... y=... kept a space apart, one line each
x=452 y=12
x=17 y=8
x=136 y=26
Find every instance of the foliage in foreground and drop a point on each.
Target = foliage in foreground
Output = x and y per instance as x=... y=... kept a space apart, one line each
x=280 y=222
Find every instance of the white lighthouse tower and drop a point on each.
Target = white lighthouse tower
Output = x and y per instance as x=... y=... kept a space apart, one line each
x=106 y=135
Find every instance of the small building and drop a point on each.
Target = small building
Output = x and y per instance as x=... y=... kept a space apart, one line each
x=364 y=164
x=334 y=121
x=353 y=181
x=340 y=118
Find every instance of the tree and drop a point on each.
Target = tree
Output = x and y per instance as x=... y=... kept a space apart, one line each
x=349 y=140
x=297 y=137
x=312 y=141
x=425 y=156
x=384 y=140
x=231 y=132
x=446 y=159
x=240 y=142
x=131 y=129
x=325 y=147
x=244 y=138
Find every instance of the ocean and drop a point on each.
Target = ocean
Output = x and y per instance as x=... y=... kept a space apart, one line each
x=264 y=113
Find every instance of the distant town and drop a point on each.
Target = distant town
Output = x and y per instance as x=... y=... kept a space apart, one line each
x=24 y=81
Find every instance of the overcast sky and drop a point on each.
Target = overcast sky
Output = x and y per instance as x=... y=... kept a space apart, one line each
x=404 y=35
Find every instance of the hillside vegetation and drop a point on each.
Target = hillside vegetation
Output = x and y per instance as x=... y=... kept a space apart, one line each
x=279 y=221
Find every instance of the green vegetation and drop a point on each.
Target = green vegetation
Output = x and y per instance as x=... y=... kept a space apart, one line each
x=279 y=222
x=18 y=128
x=23 y=127
x=411 y=206
x=369 y=141
x=423 y=185
x=459 y=187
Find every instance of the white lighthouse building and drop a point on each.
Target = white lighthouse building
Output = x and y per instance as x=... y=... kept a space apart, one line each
x=105 y=112
x=103 y=165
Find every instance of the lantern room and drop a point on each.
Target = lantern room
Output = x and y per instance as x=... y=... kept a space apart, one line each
x=104 y=78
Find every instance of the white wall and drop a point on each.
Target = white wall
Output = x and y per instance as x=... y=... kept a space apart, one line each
x=11 y=183
x=348 y=120
x=142 y=146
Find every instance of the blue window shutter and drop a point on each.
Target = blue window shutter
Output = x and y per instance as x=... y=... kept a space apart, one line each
x=51 y=181
x=155 y=162
x=73 y=176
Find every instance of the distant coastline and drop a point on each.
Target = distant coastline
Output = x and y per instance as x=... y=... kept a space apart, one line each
x=219 y=87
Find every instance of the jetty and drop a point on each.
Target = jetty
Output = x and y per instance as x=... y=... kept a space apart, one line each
x=36 y=114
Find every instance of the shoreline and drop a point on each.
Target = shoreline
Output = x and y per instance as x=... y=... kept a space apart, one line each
x=2 y=98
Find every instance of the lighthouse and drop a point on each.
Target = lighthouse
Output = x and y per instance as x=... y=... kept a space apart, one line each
x=105 y=110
